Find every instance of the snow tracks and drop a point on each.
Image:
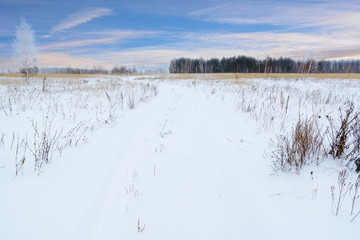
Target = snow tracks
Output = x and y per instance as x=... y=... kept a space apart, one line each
x=178 y=174
x=182 y=166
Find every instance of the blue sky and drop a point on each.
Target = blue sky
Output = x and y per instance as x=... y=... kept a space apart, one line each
x=150 y=33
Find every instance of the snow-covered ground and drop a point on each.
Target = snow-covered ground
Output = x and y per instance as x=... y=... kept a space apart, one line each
x=146 y=157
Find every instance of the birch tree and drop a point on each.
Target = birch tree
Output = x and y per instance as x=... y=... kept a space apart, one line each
x=25 y=48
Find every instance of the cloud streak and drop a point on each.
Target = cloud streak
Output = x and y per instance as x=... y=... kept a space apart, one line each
x=326 y=14
x=80 y=17
x=160 y=57
x=276 y=44
x=110 y=36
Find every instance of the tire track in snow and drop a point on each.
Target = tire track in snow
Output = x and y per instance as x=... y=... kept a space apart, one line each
x=193 y=196
x=111 y=186
x=195 y=192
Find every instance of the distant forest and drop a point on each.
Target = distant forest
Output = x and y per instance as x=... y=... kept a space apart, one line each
x=93 y=70
x=245 y=64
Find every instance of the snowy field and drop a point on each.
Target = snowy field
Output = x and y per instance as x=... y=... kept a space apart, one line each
x=164 y=157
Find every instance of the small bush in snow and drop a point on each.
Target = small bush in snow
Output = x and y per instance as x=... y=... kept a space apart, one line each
x=354 y=191
x=342 y=189
x=344 y=136
x=19 y=164
x=139 y=227
x=44 y=144
x=131 y=101
x=300 y=148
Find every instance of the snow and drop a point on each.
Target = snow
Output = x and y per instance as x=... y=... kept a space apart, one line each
x=191 y=162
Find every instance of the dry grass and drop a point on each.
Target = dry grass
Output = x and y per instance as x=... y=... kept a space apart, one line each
x=78 y=106
x=302 y=147
x=204 y=76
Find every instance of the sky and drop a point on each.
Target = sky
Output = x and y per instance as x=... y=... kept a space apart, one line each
x=149 y=33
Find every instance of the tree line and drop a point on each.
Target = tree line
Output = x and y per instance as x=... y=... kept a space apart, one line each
x=76 y=70
x=94 y=70
x=246 y=64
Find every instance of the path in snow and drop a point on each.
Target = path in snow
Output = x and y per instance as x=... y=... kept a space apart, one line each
x=186 y=165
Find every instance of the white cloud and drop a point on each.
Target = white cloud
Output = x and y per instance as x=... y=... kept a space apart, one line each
x=324 y=15
x=322 y=29
x=80 y=17
x=160 y=57
x=261 y=44
x=110 y=36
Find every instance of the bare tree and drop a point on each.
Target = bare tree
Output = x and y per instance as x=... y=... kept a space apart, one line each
x=25 y=49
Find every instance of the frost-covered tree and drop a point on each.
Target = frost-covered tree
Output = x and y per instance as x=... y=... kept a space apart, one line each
x=25 y=48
